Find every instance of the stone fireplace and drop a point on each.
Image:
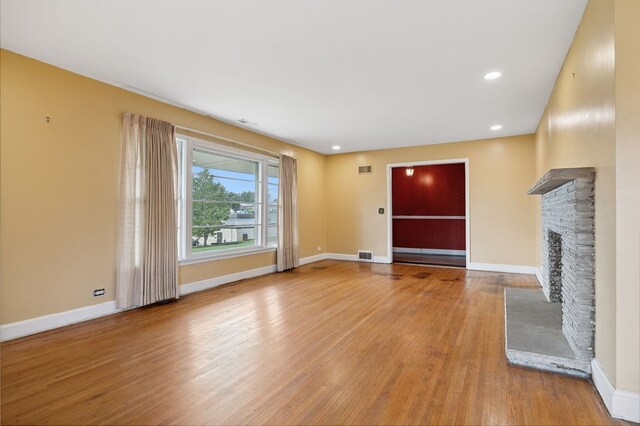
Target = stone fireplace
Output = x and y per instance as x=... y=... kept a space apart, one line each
x=562 y=341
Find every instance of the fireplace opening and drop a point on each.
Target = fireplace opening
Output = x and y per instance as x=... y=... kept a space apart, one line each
x=554 y=244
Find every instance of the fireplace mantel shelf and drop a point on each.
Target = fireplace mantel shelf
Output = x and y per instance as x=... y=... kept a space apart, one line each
x=558 y=177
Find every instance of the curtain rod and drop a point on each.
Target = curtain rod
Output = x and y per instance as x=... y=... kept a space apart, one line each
x=274 y=154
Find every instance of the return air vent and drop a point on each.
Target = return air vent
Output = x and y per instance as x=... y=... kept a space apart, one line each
x=365 y=256
x=364 y=170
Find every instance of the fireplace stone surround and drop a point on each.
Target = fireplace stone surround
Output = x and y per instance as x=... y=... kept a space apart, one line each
x=563 y=340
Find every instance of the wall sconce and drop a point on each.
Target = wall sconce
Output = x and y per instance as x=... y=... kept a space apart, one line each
x=409 y=171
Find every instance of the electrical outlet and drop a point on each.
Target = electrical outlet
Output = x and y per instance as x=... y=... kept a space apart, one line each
x=319 y=248
x=98 y=292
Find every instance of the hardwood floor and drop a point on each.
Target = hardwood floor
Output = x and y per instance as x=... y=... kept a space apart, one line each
x=329 y=343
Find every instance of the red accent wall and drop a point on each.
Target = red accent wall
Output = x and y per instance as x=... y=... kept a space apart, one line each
x=437 y=190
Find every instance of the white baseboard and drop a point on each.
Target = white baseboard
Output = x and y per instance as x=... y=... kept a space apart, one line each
x=339 y=256
x=539 y=276
x=60 y=319
x=602 y=383
x=497 y=267
x=311 y=259
x=626 y=406
x=354 y=258
x=621 y=404
x=224 y=279
x=252 y=273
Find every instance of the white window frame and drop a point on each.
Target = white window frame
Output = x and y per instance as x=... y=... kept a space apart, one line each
x=185 y=200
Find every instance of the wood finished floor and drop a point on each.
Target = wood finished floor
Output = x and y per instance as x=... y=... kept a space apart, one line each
x=329 y=343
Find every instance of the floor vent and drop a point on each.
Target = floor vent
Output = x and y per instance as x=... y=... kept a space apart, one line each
x=365 y=256
x=364 y=170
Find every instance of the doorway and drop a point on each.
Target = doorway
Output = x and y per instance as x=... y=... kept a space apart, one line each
x=428 y=207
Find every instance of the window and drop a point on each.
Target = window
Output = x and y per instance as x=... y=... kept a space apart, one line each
x=228 y=200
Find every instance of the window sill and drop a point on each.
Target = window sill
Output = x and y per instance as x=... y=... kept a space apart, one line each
x=222 y=256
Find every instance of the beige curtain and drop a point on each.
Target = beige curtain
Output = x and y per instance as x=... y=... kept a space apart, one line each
x=288 y=214
x=147 y=240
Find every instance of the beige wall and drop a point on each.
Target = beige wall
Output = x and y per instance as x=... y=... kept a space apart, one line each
x=59 y=187
x=502 y=221
x=627 y=33
x=592 y=120
x=578 y=129
x=59 y=183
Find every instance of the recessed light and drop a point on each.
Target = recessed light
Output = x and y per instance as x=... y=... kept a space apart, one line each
x=492 y=75
x=336 y=147
x=496 y=127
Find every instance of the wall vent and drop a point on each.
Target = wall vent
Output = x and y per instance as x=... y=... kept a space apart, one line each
x=364 y=170
x=365 y=256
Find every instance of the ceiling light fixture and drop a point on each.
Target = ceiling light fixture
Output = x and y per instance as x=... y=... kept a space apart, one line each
x=336 y=147
x=409 y=171
x=496 y=127
x=492 y=75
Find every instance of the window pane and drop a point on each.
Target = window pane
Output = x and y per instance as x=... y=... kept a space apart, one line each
x=230 y=199
x=274 y=173
x=272 y=214
x=237 y=190
x=272 y=236
x=224 y=202
x=224 y=178
x=209 y=187
x=212 y=213
x=225 y=165
x=273 y=193
x=224 y=237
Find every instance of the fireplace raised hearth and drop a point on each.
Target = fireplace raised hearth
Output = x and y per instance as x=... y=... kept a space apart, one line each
x=553 y=329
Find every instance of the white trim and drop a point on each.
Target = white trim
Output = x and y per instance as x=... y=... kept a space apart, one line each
x=621 y=404
x=224 y=150
x=429 y=251
x=602 y=383
x=311 y=259
x=467 y=213
x=217 y=281
x=539 y=276
x=626 y=406
x=497 y=267
x=428 y=217
x=222 y=138
x=224 y=279
x=354 y=258
x=203 y=259
x=339 y=256
x=60 y=319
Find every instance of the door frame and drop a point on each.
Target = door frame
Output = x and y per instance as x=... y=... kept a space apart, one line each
x=390 y=166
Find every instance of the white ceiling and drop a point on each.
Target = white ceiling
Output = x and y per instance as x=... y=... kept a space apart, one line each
x=363 y=74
